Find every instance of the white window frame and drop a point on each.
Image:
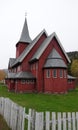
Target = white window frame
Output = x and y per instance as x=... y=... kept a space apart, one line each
x=48 y=73
x=54 y=73
x=61 y=73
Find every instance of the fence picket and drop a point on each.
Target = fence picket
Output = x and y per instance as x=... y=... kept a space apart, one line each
x=73 y=121
x=2 y=102
x=37 y=121
x=29 y=119
x=64 y=121
x=23 y=120
x=14 y=123
x=7 y=111
x=59 y=121
x=47 y=124
x=20 y=111
x=53 y=121
x=33 y=120
x=69 y=121
x=39 y=124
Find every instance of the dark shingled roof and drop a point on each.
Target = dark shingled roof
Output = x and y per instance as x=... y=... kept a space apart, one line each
x=21 y=75
x=53 y=63
x=54 y=60
x=25 y=34
x=11 y=61
x=44 y=45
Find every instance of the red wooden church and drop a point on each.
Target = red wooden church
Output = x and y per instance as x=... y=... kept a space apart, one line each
x=40 y=65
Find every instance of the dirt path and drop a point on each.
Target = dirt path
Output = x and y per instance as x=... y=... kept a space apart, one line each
x=3 y=125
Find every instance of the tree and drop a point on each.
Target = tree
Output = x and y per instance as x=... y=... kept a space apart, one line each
x=2 y=75
x=74 y=67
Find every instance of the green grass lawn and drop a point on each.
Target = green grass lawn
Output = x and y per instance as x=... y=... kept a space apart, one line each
x=44 y=102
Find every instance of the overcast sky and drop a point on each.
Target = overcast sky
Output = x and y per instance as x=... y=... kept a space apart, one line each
x=60 y=16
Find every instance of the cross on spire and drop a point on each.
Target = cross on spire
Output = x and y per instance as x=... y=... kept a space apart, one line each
x=25 y=14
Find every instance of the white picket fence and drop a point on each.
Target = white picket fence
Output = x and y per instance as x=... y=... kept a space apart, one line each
x=52 y=120
x=15 y=117
x=12 y=113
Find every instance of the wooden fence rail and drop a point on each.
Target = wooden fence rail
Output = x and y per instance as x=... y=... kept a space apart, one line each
x=15 y=117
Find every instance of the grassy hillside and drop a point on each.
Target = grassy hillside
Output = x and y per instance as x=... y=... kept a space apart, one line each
x=44 y=102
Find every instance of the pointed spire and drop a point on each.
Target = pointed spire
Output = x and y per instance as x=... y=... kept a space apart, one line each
x=25 y=34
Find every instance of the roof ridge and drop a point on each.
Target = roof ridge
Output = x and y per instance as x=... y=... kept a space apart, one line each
x=41 y=48
x=54 y=33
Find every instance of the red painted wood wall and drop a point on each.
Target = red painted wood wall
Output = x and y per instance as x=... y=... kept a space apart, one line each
x=20 y=48
x=24 y=87
x=55 y=84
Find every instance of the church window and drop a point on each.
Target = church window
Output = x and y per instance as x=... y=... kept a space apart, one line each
x=23 y=81
x=54 y=73
x=61 y=73
x=48 y=73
